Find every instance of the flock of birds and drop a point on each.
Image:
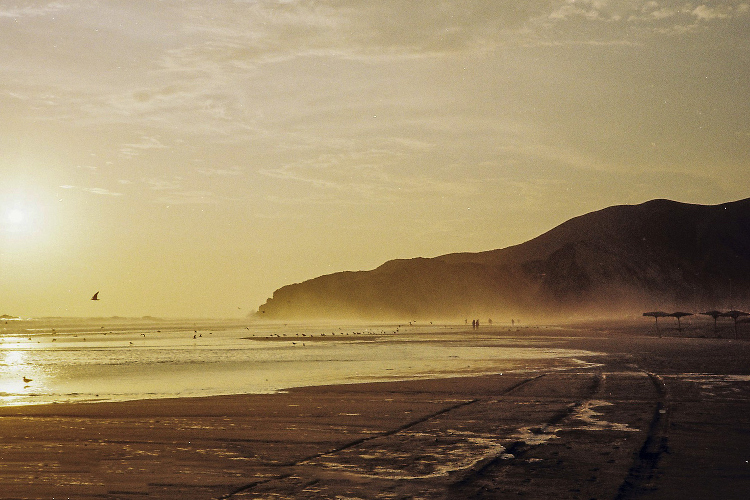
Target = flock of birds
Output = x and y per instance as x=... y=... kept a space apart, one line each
x=197 y=335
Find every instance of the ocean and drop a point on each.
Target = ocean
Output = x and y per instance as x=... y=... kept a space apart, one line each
x=62 y=360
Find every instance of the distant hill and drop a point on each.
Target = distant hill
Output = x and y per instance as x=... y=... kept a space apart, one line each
x=622 y=259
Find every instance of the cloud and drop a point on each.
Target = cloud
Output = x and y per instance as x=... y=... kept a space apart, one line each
x=589 y=9
x=186 y=198
x=220 y=172
x=364 y=177
x=172 y=192
x=162 y=184
x=44 y=9
x=649 y=16
x=147 y=143
x=232 y=71
x=95 y=190
x=706 y=13
x=245 y=35
x=101 y=191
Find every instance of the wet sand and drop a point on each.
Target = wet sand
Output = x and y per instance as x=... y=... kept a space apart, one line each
x=656 y=418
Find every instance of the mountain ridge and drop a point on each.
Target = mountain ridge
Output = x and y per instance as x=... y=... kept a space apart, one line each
x=616 y=260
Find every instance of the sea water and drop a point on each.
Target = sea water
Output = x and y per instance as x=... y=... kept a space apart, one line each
x=84 y=360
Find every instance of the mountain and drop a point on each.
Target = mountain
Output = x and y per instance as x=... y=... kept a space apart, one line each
x=623 y=259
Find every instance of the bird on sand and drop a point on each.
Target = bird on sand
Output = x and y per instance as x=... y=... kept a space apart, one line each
x=96 y=296
x=27 y=380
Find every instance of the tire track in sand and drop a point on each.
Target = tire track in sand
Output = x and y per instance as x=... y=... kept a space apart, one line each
x=643 y=471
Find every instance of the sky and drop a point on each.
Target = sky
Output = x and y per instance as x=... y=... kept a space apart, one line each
x=186 y=158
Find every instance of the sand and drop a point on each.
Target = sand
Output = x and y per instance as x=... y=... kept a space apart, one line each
x=655 y=418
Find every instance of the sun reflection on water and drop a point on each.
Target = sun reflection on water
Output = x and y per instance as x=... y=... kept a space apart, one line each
x=15 y=376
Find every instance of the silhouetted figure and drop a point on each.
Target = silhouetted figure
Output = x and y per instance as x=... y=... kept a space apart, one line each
x=96 y=296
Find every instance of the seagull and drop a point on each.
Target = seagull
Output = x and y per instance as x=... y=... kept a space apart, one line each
x=27 y=380
x=96 y=296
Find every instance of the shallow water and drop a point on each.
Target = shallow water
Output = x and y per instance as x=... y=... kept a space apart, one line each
x=64 y=360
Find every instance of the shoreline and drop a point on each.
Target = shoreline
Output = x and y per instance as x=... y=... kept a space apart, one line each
x=95 y=366
x=578 y=433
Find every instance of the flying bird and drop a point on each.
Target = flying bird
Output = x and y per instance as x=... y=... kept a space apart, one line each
x=96 y=296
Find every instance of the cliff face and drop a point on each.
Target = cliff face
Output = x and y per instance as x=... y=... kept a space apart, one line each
x=629 y=258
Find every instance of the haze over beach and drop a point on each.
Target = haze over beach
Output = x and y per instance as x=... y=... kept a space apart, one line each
x=186 y=159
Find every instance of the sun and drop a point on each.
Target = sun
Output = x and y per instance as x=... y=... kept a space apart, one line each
x=16 y=220
x=21 y=216
x=16 y=217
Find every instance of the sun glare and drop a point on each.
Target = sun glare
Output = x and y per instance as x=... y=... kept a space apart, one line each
x=16 y=217
x=17 y=220
x=22 y=222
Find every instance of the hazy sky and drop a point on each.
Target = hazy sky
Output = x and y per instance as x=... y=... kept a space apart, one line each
x=187 y=158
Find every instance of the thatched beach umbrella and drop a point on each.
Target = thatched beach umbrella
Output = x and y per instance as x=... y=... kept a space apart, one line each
x=656 y=315
x=714 y=315
x=679 y=315
x=734 y=314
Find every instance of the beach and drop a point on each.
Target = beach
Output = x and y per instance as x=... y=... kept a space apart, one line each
x=643 y=416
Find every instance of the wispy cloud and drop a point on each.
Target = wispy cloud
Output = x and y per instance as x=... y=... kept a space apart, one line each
x=603 y=20
x=163 y=184
x=147 y=143
x=210 y=72
x=172 y=191
x=589 y=9
x=364 y=177
x=101 y=191
x=186 y=198
x=220 y=172
x=707 y=13
x=42 y=9
x=94 y=190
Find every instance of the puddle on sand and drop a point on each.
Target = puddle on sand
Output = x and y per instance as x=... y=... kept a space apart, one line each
x=586 y=414
x=713 y=386
x=439 y=455
x=442 y=454
x=535 y=436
